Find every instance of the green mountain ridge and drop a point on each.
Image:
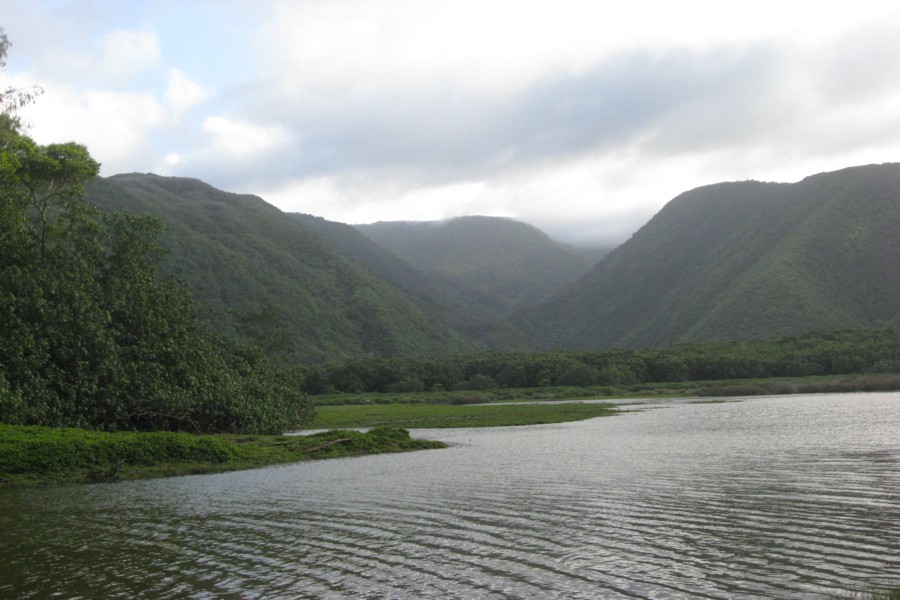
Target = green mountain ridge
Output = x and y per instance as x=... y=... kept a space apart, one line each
x=726 y=261
x=271 y=277
x=740 y=261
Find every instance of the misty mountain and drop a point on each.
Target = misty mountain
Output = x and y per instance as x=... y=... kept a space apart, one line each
x=504 y=263
x=726 y=261
x=471 y=311
x=269 y=277
x=742 y=260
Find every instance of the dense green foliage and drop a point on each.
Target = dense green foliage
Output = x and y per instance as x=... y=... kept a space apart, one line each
x=846 y=352
x=91 y=335
x=45 y=450
x=273 y=281
x=743 y=261
x=41 y=454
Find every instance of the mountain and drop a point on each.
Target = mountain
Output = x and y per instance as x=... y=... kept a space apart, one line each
x=269 y=277
x=467 y=309
x=726 y=261
x=742 y=260
x=504 y=263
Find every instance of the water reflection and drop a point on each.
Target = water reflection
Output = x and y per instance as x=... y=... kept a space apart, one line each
x=769 y=497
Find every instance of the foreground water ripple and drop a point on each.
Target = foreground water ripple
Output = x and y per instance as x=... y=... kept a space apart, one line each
x=788 y=497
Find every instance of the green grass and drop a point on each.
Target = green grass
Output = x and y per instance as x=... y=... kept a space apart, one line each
x=445 y=415
x=43 y=455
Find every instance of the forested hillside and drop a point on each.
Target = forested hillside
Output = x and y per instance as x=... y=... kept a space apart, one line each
x=740 y=261
x=727 y=261
x=270 y=279
x=505 y=263
x=810 y=354
x=472 y=311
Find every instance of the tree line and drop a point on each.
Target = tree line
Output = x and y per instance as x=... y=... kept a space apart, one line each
x=817 y=353
x=91 y=333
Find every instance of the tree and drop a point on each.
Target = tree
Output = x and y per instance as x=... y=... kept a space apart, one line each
x=91 y=334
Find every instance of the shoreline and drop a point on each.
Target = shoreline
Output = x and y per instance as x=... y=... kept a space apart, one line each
x=32 y=455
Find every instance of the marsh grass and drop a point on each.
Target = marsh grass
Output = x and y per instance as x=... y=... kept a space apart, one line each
x=443 y=415
x=43 y=454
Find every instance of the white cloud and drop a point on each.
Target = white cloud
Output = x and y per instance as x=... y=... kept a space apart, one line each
x=117 y=128
x=501 y=45
x=126 y=54
x=239 y=138
x=183 y=94
x=574 y=116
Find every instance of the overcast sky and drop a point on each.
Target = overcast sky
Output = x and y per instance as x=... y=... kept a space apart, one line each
x=580 y=117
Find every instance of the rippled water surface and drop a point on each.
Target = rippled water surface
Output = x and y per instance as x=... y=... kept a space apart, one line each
x=768 y=497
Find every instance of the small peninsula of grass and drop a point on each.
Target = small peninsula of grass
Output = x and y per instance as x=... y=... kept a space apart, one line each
x=32 y=454
x=51 y=455
x=427 y=416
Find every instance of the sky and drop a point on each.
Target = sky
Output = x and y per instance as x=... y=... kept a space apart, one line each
x=583 y=118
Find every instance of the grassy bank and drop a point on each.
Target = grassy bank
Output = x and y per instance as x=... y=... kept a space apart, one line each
x=674 y=389
x=447 y=415
x=44 y=455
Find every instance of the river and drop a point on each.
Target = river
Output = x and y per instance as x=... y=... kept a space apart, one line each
x=771 y=497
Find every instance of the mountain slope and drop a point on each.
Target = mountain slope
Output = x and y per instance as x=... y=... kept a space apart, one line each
x=743 y=260
x=507 y=263
x=470 y=311
x=272 y=276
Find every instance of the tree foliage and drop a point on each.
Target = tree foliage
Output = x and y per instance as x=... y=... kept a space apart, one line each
x=91 y=334
x=820 y=353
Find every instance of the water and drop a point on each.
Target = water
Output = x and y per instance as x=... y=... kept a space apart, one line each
x=785 y=497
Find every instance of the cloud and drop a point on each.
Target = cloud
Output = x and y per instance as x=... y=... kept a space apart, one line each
x=183 y=94
x=127 y=54
x=678 y=101
x=243 y=138
x=234 y=154
x=581 y=118
x=116 y=127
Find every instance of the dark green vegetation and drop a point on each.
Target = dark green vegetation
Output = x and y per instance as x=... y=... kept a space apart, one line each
x=41 y=454
x=730 y=261
x=875 y=382
x=822 y=354
x=741 y=261
x=91 y=333
x=423 y=416
x=271 y=279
